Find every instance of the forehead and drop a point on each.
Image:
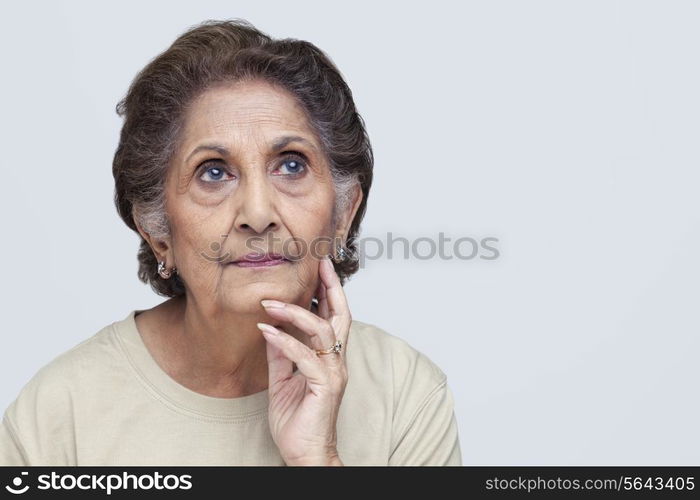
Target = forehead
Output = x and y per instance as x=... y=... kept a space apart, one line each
x=242 y=108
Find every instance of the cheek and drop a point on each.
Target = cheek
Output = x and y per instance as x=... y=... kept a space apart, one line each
x=196 y=238
x=308 y=223
x=306 y=272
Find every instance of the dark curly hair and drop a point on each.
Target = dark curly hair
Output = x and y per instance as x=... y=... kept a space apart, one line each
x=210 y=53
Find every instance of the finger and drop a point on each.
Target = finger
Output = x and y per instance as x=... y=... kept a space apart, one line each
x=319 y=330
x=306 y=360
x=279 y=367
x=339 y=313
x=322 y=301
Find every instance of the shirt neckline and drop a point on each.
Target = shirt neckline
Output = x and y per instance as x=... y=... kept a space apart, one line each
x=176 y=395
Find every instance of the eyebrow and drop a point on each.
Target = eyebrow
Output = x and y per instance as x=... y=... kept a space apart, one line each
x=279 y=143
x=212 y=147
x=285 y=140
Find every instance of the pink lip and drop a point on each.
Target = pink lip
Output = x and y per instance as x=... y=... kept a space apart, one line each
x=258 y=260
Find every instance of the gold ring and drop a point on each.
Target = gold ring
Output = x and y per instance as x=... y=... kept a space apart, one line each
x=331 y=350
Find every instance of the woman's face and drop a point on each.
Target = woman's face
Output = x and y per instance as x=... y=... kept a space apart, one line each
x=249 y=176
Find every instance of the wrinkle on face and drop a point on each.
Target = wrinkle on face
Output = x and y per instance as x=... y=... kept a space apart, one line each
x=246 y=118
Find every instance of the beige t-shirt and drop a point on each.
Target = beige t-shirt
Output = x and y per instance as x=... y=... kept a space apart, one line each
x=107 y=402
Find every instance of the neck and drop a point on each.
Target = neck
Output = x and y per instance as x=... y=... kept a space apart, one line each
x=218 y=353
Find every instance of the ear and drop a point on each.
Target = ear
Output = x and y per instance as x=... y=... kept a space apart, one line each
x=160 y=247
x=345 y=221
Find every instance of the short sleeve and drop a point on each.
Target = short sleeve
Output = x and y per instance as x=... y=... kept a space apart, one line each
x=38 y=426
x=430 y=437
x=10 y=449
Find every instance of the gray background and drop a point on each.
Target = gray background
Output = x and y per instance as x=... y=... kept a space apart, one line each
x=568 y=130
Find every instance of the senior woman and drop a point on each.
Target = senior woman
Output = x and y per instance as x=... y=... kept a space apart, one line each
x=245 y=169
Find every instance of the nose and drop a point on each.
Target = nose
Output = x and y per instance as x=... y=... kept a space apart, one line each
x=255 y=211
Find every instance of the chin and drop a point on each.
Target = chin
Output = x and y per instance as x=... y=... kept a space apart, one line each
x=249 y=296
x=240 y=290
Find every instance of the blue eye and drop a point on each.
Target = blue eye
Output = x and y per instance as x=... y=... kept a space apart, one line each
x=214 y=174
x=293 y=166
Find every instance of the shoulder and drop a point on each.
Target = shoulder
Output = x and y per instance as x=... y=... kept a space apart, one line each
x=48 y=402
x=375 y=355
x=377 y=346
x=66 y=369
x=401 y=399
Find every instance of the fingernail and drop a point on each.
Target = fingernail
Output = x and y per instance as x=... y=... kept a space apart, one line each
x=268 y=328
x=272 y=303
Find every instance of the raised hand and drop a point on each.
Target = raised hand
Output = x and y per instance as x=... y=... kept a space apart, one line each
x=304 y=406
